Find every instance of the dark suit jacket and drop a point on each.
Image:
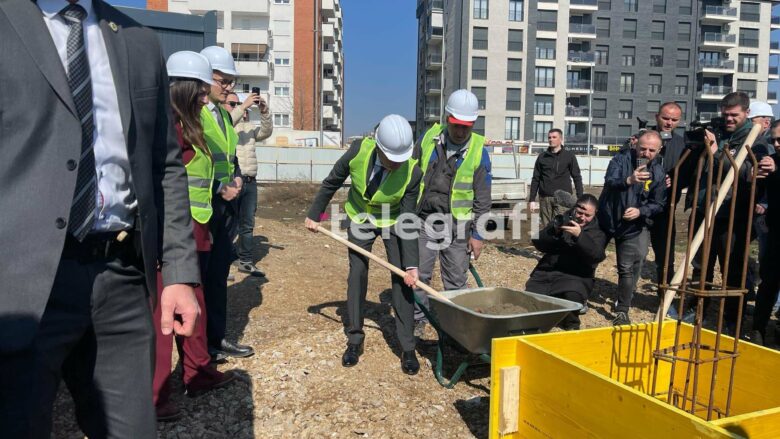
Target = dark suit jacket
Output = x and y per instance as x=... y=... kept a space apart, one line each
x=37 y=142
x=336 y=178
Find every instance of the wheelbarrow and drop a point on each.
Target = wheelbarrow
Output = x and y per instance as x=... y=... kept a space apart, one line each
x=460 y=321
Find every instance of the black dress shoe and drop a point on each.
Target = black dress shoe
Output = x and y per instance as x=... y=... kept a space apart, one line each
x=409 y=363
x=229 y=349
x=352 y=354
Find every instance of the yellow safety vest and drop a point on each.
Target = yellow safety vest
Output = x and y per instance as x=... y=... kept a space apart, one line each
x=200 y=177
x=222 y=146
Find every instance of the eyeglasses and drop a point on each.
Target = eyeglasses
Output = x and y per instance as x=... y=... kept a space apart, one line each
x=225 y=83
x=233 y=104
x=775 y=139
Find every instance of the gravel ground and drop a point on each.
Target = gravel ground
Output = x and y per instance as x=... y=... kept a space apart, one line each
x=295 y=385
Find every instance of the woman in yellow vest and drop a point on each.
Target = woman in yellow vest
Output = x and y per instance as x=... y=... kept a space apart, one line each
x=385 y=185
x=190 y=74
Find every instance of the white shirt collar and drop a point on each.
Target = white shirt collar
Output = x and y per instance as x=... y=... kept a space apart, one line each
x=52 y=8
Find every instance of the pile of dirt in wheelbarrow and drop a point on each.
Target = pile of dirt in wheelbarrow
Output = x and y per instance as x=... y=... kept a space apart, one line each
x=295 y=385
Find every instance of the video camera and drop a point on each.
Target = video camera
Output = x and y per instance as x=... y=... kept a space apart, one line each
x=694 y=136
x=567 y=200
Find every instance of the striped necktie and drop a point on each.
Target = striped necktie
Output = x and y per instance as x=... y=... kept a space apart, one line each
x=82 y=212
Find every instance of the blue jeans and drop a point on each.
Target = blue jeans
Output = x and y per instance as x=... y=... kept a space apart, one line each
x=247 y=205
x=631 y=254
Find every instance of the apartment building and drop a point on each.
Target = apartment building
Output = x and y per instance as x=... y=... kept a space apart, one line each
x=293 y=51
x=590 y=67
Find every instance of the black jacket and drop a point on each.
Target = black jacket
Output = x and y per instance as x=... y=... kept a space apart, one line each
x=617 y=196
x=336 y=178
x=568 y=264
x=554 y=171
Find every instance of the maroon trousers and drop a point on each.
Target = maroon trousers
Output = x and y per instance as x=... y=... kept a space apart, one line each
x=192 y=351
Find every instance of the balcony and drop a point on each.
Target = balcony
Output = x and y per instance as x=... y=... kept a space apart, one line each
x=577 y=114
x=583 y=5
x=718 y=66
x=433 y=35
x=771 y=97
x=577 y=58
x=716 y=40
x=432 y=113
x=327 y=111
x=712 y=92
x=328 y=8
x=259 y=7
x=718 y=15
x=433 y=86
x=578 y=31
x=706 y=116
x=251 y=36
x=328 y=58
x=774 y=47
x=328 y=33
x=578 y=86
x=433 y=61
x=252 y=68
x=773 y=73
x=327 y=85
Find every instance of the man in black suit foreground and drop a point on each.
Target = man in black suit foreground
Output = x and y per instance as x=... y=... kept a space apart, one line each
x=94 y=198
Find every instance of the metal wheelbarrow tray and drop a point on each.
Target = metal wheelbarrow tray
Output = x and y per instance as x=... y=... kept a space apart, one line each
x=473 y=331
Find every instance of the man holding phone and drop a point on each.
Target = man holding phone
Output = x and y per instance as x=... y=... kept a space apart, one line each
x=249 y=135
x=634 y=192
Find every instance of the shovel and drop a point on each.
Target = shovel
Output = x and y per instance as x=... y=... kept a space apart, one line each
x=381 y=262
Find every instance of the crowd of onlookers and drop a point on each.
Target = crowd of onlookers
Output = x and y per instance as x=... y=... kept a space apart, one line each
x=634 y=206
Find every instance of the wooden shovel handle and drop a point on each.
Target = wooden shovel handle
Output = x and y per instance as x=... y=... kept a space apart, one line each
x=381 y=262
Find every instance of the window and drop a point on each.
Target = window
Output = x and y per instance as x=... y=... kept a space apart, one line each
x=545 y=49
x=597 y=133
x=602 y=27
x=478 y=67
x=656 y=57
x=629 y=56
x=748 y=63
x=624 y=130
x=631 y=5
x=685 y=7
x=600 y=108
x=605 y=5
x=629 y=28
x=281 y=2
x=601 y=55
x=282 y=59
x=626 y=109
x=512 y=128
x=652 y=108
x=515 y=40
x=748 y=37
x=654 y=84
x=515 y=10
x=513 y=99
x=659 y=6
x=749 y=12
x=481 y=9
x=480 y=41
x=480 y=93
x=657 y=30
x=681 y=85
x=600 y=81
x=282 y=90
x=543 y=105
x=547 y=20
x=545 y=77
x=626 y=82
x=514 y=69
x=684 y=108
x=684 y=32
x=683 y=58
x=540 y=131
x=281 y=120
x=479 y=126
x=748 y=86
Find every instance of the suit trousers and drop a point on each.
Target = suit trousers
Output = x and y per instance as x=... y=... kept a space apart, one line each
x=96 y=333
x=222 y=225
x=357 y=286
x=442 y=241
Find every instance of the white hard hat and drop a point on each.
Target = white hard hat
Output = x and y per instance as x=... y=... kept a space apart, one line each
x=394 y=138
x=220 y=59
x=187 y=64
x=463 y=105
x=760 y=109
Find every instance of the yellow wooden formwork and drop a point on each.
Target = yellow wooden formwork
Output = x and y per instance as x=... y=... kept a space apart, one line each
x=596 y=384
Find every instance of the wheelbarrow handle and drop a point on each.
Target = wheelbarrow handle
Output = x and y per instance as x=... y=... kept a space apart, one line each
x=381 y=262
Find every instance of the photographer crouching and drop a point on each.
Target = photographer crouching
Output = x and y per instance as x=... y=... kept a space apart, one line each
x=573 y=246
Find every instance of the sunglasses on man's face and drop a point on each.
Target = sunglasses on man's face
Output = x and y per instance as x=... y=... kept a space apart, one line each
x=233 y=104
x=775 y=140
